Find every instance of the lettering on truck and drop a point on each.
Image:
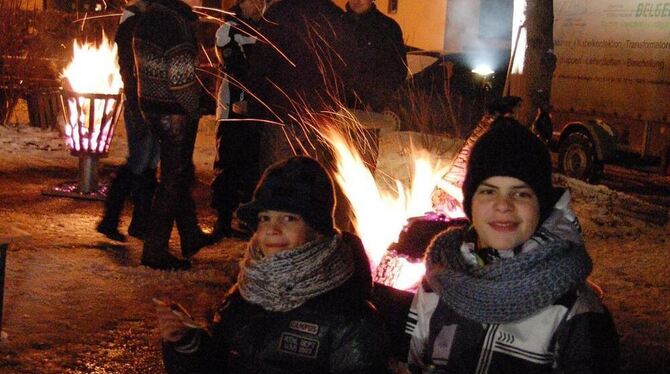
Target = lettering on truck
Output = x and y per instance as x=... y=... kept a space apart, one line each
x=652 y=10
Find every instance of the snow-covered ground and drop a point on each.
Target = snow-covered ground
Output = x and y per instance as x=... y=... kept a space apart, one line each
x=77 y=303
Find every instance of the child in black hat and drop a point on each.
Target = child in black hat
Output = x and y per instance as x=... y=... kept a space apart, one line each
x=300 y=301
x=506 y=291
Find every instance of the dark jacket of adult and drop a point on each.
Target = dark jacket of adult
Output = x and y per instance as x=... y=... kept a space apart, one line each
x=232 y=55
x=124 y=42
x=336 y=332
x=165 y=50
x=378 y=62
x=233 y=38
x=308 y=33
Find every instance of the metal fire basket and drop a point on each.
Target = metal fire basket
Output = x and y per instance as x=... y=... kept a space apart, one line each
x=90 y=121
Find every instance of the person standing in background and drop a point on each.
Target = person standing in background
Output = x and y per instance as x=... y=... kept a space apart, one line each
x=378 y=63
x=236 y=168
x=137 y=177
x=305 y=78
x=165 y=50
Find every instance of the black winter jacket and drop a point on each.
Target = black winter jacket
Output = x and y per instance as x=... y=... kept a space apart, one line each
x=309 y=33
x=231 y=55
x=124 y=42
x=378 y=61
x=337 y=332
x=232 y=40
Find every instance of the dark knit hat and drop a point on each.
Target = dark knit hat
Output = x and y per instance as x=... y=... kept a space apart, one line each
x=297 y=185
x=503 y=105
x=508 y=149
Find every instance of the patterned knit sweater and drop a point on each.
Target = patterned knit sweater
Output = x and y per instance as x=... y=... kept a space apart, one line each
x=165 y=51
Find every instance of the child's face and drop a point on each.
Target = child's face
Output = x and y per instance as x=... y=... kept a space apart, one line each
x=505 y=212
x=280 y=231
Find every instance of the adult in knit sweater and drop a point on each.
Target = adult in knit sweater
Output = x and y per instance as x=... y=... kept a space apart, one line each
x=300 y=304
x=165 y=51
x=505 y=291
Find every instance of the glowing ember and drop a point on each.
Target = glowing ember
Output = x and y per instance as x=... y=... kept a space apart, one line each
x=93 y=106
x=379 y=215
x=399 y=272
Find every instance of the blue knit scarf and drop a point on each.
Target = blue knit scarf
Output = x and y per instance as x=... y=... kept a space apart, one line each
x=551 y=263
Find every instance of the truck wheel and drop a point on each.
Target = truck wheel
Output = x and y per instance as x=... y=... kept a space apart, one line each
x=577 y=158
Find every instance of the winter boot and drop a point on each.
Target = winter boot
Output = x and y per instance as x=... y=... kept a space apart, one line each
x=143 y=193
x=119 y=190
x=155 y=253
x=192 y=246
x=164 y=261
x=191 y=237
x=222 y=227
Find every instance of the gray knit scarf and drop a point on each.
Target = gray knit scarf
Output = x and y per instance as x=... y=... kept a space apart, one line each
x=288 y=279
x=551 y=263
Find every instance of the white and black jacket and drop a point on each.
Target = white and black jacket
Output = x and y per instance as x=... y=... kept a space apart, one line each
x=575 y=335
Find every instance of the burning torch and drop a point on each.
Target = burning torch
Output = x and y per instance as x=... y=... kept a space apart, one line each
x=92 y=102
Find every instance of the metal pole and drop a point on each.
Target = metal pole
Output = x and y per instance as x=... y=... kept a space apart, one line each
x=88 y=173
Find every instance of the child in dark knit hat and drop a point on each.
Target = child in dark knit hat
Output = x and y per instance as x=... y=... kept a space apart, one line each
x=300 y=304
x=506 y=291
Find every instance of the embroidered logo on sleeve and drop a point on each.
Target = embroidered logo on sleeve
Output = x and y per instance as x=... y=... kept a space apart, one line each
x=297 y=345
x=306 y=327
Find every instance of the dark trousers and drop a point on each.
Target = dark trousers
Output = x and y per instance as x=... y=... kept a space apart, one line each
x=236 y=166
x=173 y=201
x=137 y=176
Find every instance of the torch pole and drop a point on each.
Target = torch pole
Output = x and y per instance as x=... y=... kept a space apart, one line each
x=88 y=173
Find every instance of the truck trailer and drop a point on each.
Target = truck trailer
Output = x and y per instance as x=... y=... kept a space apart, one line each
x=611 y=87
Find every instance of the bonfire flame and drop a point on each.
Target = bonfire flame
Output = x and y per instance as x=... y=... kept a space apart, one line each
x=94 y=69
x=92 y=75
x=379 y=214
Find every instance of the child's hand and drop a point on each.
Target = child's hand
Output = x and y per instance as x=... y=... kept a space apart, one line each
x=174 y=321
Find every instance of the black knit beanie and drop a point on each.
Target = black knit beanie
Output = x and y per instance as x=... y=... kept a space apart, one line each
x=297 y=185
x=508 y=149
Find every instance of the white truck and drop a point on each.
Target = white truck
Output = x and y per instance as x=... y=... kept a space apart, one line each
x=611 y=87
